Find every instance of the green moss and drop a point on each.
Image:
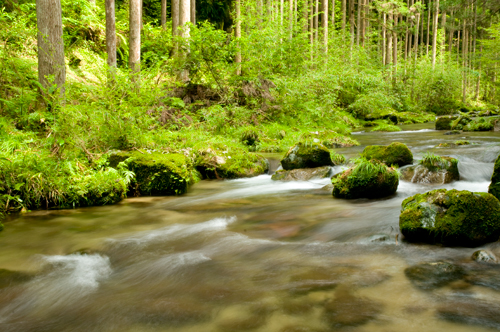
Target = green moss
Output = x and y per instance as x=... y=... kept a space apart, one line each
x=329 y=138
x=445 y=122
x=157 y=173
x=494 y=187
x=451 y=217
x=230 y=164
x=413 y=117
x=460 y=122
x=480 y=124
x=387 y=128
x=392 y=154
x=370 y=179
x=462 y=142
x=306 y=155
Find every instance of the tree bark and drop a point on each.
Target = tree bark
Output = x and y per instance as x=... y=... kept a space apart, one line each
x=51 y=65
x=135 y=40
x=333 y=17
x=416 y=38
x=384 y=39
x=351 y=21
x=111 y=35
x=324 y=22
x=343 y=17
x=434 y=34
x=358 y=22
x=395 y=42
x=443 y=25
x=163 y=14
x=193 y=12
x=305 y=28
x=290 y=19
x=174 y=11
x=389 y=40
x=464 y=61
x=316 y=21
x=237 y=32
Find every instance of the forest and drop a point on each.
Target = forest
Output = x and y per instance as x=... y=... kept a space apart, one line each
x=82 y=79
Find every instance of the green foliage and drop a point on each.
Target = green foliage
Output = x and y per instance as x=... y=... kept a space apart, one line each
x=393 y=154
x=480 y=124
x=386 y=127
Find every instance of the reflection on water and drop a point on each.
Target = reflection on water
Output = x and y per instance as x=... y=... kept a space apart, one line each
x=248 y=255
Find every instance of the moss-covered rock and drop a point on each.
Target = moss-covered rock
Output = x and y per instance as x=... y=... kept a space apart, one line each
x=392 y=154
x=432 y=169
x=461 y=122
x=156 y=173
x=230 y=164
x=368 y=179
x=494 y=187
x=413 y=117
x=302 y=174
x=480 y=124
x=451 y=217
x=444 y=122
x=306 y=155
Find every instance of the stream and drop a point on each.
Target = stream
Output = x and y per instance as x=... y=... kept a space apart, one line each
x=247 y=255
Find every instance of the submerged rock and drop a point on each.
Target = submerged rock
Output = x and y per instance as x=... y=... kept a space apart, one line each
x=451 y=217
x=302 y=174
x=439 y=170
x=453 y=132
x=484 y=256
x=392 y=154
x=156 y=173
x=433 y=275
x=369 y=179
x=306 y=155
x=494 y=187
x=346 y=309
x=237 y=163
x=9 y=278
x=474 y=311
x=444 y=122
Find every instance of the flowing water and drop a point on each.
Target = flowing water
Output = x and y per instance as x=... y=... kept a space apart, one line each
x=246 y=255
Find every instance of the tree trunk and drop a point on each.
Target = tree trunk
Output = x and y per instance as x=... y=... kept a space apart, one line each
x=316 y=21
x=450 y=41
x=305 y=28
x=428 y=27
x=443 y=25
x=358 y=23
x=434 y=34
x=237 y=32
x=416 y=38
x=384 y=42
x=164 y=14
x=343 y=17
x=193 y=12
x=333 y=17
x=389 y=39
x=464 y=61
x=185 y=17
x=174 y=10
x=351 y=21
x=290 y=19
x=395 y=42
x=111 y=35
x=134 y=60
x=282 y=4
x=51 y=65
x=324 y=22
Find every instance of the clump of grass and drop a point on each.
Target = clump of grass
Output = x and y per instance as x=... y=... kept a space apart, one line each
x=337 y=158
x=433 y=161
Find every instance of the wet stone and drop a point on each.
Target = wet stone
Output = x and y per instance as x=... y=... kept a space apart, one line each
x=302 y=174
x=474 y=312
x=484 y=256
x=9 y=278
x=428 y=276
x=346 y=309
x=485 y=275
x=453 y=132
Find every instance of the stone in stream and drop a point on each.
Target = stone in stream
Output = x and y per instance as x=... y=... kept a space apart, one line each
x=393 y=154
x=444 y=122
x=347 y=309
x=306 y=155
x=368 y=179
x=451 y=217
x=302 y=174
x=473 y=311
x=10 y=278
x=435 y=170
x=230 y=164
x=453 y=132
x=484 y=256
x=494 y=187
x=428 y=276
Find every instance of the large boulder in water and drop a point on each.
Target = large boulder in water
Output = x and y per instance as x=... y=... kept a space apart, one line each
x=451 y=217
x=444 y=122
x=302 y=174
x=494 y=187
x=432 y=169
x=392 y=154
x=368 y=179
x=306 y=155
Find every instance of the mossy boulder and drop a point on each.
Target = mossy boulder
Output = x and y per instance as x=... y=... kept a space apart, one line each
x=494 y=187
x=392 y=154
x=302 y=174
x=435 y=170
x=444 y=122
x=306 y=155
x=368 y=179
x=451 y=217
x=480 y=124
x=461 y=122
x=230 y=164
x=156 y=173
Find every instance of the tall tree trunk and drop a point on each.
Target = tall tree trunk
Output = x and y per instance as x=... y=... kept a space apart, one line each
x=384 y=39
x=434 y=34
x=367 y=22
x=464 y=61
x=358 y=23
x=450 y=41
x=316 y=21
x=443 y=25
x=111 y=36
x=193 y=12
x=333 y=17
x=389 y=38
x=50 y=45
x=290 y=19
x=164 y=14
x=324 y=22
x=305 y=28
x=184 y=17
x=237 y=32
x=282 y=4
x=395 y=42
x=134 y=60
x=344 y=8
x=351 y=21
x=429 y=6
x=458 y=47
x=174 y=11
